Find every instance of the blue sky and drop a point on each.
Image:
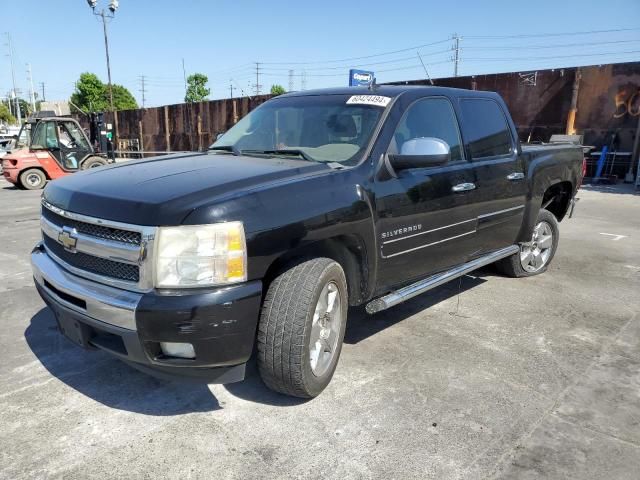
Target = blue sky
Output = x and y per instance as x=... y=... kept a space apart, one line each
x=223 y=39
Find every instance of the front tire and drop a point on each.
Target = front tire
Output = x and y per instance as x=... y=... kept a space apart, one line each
x=302 y=327
x=33 y=179
x=93 y=162
x=535 y=255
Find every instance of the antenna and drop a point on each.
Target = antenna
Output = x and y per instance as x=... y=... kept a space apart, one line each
x=425 y=68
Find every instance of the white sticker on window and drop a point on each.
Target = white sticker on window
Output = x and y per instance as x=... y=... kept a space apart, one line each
x=376 y=100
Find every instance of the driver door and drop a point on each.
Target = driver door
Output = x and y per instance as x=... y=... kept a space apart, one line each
x=424 y=224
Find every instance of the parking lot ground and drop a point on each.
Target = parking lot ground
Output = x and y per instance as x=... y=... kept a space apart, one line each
x=490 y=377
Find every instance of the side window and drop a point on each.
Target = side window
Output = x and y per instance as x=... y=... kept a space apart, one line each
x=430 y=117
x=52 y=136
x=39 y=139
x=485 y=128
x=45 y=136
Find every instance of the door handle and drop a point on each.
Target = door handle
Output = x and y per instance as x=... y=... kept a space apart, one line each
x=515 y=176
x=463 y=187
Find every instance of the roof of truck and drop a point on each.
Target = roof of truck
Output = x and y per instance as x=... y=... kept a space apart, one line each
x=391 y=91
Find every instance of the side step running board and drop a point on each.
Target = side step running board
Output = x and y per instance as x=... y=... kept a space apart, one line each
x=410 y=291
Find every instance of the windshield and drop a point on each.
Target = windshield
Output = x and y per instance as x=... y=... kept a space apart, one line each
x=322 y=128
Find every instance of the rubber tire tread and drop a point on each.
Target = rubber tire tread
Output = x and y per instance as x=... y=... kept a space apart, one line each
x=37 y=171
x=283 y=358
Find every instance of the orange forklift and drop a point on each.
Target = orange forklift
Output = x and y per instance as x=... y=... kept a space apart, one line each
x=57 y=146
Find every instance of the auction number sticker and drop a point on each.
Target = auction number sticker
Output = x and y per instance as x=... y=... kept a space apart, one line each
x=376 y=100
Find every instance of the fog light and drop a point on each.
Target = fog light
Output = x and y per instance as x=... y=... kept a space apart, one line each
x=181 y=350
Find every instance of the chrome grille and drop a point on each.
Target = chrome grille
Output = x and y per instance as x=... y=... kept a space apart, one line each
x=113 y=253
x=90 y=263
x=98 y=231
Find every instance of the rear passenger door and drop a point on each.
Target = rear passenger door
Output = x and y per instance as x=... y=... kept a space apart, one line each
x=500 y=177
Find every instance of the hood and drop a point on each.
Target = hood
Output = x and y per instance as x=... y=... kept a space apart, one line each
x=164 y=190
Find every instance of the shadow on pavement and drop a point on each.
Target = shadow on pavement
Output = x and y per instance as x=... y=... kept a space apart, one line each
x=113 y=383
x=108 y=380
x=362 y=325
x=359 y=327
x=252 y=389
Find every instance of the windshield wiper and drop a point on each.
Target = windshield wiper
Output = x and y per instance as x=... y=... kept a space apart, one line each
x=284 y=151
x=228 y=148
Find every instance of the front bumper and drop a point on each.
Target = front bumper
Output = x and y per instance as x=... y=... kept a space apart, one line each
x=220 y=323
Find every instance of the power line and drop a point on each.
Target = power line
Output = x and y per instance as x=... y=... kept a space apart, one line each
x=563 y=34
x=360 y=58
x=533 y=47
x=362 y=65
x=551 y=57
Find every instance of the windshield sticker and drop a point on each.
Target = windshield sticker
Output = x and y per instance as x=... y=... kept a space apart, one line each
x=376 y=100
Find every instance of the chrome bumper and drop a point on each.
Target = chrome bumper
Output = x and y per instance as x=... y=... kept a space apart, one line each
x=103 y=303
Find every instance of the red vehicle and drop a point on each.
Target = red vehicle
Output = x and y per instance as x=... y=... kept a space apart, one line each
x=57 y=147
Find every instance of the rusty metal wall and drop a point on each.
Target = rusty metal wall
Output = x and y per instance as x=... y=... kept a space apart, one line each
x=539 y=101
x=608 y=100
x=182 y=127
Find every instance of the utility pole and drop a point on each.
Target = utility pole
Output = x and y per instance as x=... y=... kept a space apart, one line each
x=291 y=86
x=13 y=78
x=456 y=55
x=184 y=77
x=231 y=87
x=32 y=95
x=257 y=85
x=142 y=89
x=42 y=87
x=303 y=80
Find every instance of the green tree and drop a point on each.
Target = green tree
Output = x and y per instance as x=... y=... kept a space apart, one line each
x=5 y=114
x=90 y=94
x=122 y=98
x=25 y=108
x=197 y=90
x=277 y=89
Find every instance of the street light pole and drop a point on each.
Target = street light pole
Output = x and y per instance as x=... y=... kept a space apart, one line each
x=113 y=6
x=106 y=49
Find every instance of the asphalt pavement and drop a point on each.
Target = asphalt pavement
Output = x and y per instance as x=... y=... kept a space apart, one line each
x=490 y=377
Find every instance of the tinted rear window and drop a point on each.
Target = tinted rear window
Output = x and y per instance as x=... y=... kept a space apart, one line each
x=485 y=128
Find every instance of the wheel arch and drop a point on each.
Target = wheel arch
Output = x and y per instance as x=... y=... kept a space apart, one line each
x=348 y=250
x=556 y=198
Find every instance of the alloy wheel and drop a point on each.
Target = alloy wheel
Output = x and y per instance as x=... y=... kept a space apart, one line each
x=535 y=254
x=325 y=329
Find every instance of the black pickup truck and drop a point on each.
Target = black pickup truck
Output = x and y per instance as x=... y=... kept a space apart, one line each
x=185 y=265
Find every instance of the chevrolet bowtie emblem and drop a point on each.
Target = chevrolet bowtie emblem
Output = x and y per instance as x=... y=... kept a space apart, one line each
x=67 y=237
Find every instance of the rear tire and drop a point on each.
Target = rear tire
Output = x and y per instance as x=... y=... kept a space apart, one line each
x=33 y=179
x=535 y=255
x=302 y=327
x=93 y=162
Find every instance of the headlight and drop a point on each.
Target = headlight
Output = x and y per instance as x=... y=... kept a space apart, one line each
x=201 y=255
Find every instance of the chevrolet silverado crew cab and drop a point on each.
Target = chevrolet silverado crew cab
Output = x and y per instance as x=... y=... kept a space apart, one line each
x=184 y=265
